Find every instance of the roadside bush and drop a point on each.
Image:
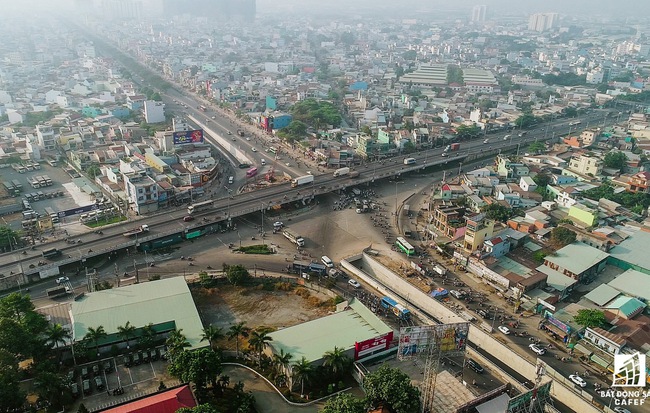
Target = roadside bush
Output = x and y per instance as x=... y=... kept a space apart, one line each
x=315 y=301
x=302 y=292
x=256 y=249
x=283 y=286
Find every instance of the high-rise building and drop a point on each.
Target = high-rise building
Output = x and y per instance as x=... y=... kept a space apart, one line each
x=479 y=13
x=540 y=22
x=219 y=9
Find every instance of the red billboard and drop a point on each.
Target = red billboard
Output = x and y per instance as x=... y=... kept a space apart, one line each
x=190 y=136
x=367 y=347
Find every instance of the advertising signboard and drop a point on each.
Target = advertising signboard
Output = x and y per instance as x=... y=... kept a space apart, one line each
x=191 y=136
x=448 y=339
x=367 y=347
x=76 y=211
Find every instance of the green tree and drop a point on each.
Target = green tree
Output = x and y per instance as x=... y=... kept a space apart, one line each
x=176 y=343
x=94 y=335
x=8 y=238
x=588 y=317
x=237 y=331
x=57 y=334
x=365 y=129
x=126 y=332
x=93 y=171
x=236 y=274
x=468 y=132
x=282 y=361
x=497 y=212
x=147 y=336
x=258 y=341
x=344 y=403
x=615 y=160
x=536 y=147
x=11 y=395
x=526 y=120
x=408 y=147
x=303 y=372
x=212 y=334
x=201 y=408
x=410 y=55
x=542 y=179
x=336 y=361
x=52 y=387
x=393 y=388
x=561 y=236
x=200 y=367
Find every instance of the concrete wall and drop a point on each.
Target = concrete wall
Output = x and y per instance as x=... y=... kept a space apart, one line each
x=387 y=282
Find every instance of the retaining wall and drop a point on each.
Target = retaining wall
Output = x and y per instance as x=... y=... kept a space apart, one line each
x=387 y=282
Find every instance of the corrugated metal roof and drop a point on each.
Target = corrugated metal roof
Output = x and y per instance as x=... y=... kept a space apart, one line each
x=156 y=302
x=312 y=339
x=577 y=257
x=634 y=283
x=602 y=294
x=556 y=279
x=634 y=250
x=627 y=305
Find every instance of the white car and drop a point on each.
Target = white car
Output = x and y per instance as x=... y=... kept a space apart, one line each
x=578 y=380
x=248 y=139
x=288 y=163
x=278 y=224
x=505 y=330
x=354 y=283
x=619 y=409
x=505 y=138
x=253 y=149
x=537 y=349
x=62 y=280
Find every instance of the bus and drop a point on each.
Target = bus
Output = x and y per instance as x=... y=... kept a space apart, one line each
x=199 y=206
x=11 y=190
x=399 y=310
x=251 y=172
x=17 y=185
x=273 y=150
x=203 y=108
x=409 y=161
x=53 y=215
x=405 y=246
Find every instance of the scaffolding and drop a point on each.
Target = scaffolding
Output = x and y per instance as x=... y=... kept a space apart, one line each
x=535 y=400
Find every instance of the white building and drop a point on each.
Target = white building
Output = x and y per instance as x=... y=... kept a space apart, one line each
x=46 y=137
x=595 y=76
x=154 y=112
x=479 y=13
x=142 y=192
x=540 y=22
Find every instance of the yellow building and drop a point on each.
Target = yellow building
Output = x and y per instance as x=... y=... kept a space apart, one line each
x=478 y=229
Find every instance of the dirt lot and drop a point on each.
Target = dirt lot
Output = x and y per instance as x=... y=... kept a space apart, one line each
x=226 y=305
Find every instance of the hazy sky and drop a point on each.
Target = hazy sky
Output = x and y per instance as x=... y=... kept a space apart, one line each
x=618 y=8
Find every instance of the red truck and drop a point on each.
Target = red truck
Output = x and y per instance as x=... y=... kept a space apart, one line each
x=453 y=147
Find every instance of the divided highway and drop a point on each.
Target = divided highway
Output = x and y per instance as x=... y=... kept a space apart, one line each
x=171 y=222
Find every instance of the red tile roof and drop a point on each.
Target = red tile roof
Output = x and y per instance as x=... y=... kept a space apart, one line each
x=165 y=402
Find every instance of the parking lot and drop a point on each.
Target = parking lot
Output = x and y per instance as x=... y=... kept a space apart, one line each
x=114 y=380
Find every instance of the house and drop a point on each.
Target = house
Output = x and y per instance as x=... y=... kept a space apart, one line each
x=584 y=215
x=448 y=218
x=585 y=165
x=527 y=183
x=639 y=182
x=478 y=229
x=496 y=247
x=166 y=401
x=625 y=307
x=577 y=260
x=611 y=343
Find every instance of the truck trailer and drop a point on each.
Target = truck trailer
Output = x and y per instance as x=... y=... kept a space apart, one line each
x=136 y=231
x=293 y=237
x=302 y=180
x=341 y=172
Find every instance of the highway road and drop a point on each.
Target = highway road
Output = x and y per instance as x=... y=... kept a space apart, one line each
x=171 y=222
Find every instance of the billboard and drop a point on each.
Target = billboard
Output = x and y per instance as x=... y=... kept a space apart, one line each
x=448 y=339
x=75 y=211
x=190 y=136
x=368 y=347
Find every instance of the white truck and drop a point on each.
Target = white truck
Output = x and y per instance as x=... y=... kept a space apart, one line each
x=142 y=228
x=440 y=269
x=302 y=180
x=295 y=238
x=341 y=172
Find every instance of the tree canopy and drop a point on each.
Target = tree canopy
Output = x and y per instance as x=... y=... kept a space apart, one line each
x=616 y=160
x=344 y=403
x=316 y=114
x=8 y=238
x=497 y=212
x=295 y=131
x=465 y=132
x=561 y=236
x=588 y=317
x=565 y=79
x=637 y=202
x=392 y=387
x=236 y=274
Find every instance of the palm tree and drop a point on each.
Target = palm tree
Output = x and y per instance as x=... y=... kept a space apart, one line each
x=282 y=360
x=57 y=334
x=212 y=334
x=336 y=361
x=176 y=342
x=94 y=335
x=237 y=331
x=126 y=332
x=259 y=340
x=302 y=371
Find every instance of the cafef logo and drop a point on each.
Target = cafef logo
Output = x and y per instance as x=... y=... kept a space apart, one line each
x=629 y=370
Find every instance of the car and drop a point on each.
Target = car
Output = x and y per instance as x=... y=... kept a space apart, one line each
x=108 y=367
x=457 y=294
x=248 y=139
x=188 y=218
x=505 y=330
x=253 y=149
x=136 y=359
x=578 y=380
x=288 y=163
x=445 y=154
x=214 y=117
x=229 y=133
x=99 y=383
x=62 y=280
x=354 y=283
x=74 y=389
x=472 y=364
x=537 y=349
x=619 y=409
x=486 y=141
x=483 y=313
x=505 y=138
x=84 y=372
x=278 y=224
x=86 y=387
x=244 y=165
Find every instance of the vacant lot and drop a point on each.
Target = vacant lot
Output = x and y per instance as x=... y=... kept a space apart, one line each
x=226 y=305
